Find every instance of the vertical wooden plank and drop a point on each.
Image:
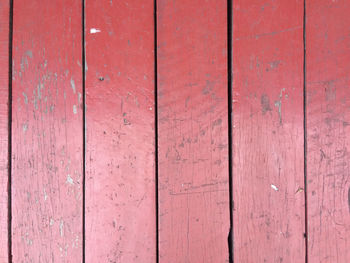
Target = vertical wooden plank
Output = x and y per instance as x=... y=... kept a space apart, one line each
x=4 y=129
x=47 y=131
x=193 y=132
x=268 y=159
x=328 y=129
x=120 y=127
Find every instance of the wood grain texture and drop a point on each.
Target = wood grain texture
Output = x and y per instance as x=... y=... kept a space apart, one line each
x=4 y=129
x=328 y=130
x=120 y=128
x=193 y=131
x=47 y=131
x=268 y=159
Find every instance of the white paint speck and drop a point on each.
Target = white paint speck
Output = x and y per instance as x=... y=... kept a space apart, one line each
x=52 y=221
x=274 y=187
x=94 y=30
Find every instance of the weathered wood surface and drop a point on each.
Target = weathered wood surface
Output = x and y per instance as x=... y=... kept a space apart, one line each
x=328 y=130
x=4 y=128
x=120 y=129
x=47 y=131
x=193 y=188
x=193 y=131
x=268 y=178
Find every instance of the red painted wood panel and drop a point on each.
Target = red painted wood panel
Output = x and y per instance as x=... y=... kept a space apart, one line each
x=268 y=178
x=120 y=128
x=193 y=131
x=328 y=130
x=47 y=131
x=4 y=129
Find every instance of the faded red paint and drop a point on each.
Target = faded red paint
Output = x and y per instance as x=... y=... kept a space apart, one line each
x=47 y=131
x=120 y=130
x=4 y=129
x=193 y=192
x=328 y=129
x=193 y=132
x=268 y=160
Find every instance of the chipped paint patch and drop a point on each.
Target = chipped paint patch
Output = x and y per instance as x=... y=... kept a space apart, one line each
x=76 y=242
x=75 y=110
x=300 y=189
x=274 y=64
x=265 y=103
x=86 y=65
x=29 y=53
x=72 y=84
x=45 y=195
x=25 y=98
x=25 y=127
x=278 y=104
x=27 y=239
x=64 y=250
x=45 y=63
x=69 y=180
x=61 y=228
